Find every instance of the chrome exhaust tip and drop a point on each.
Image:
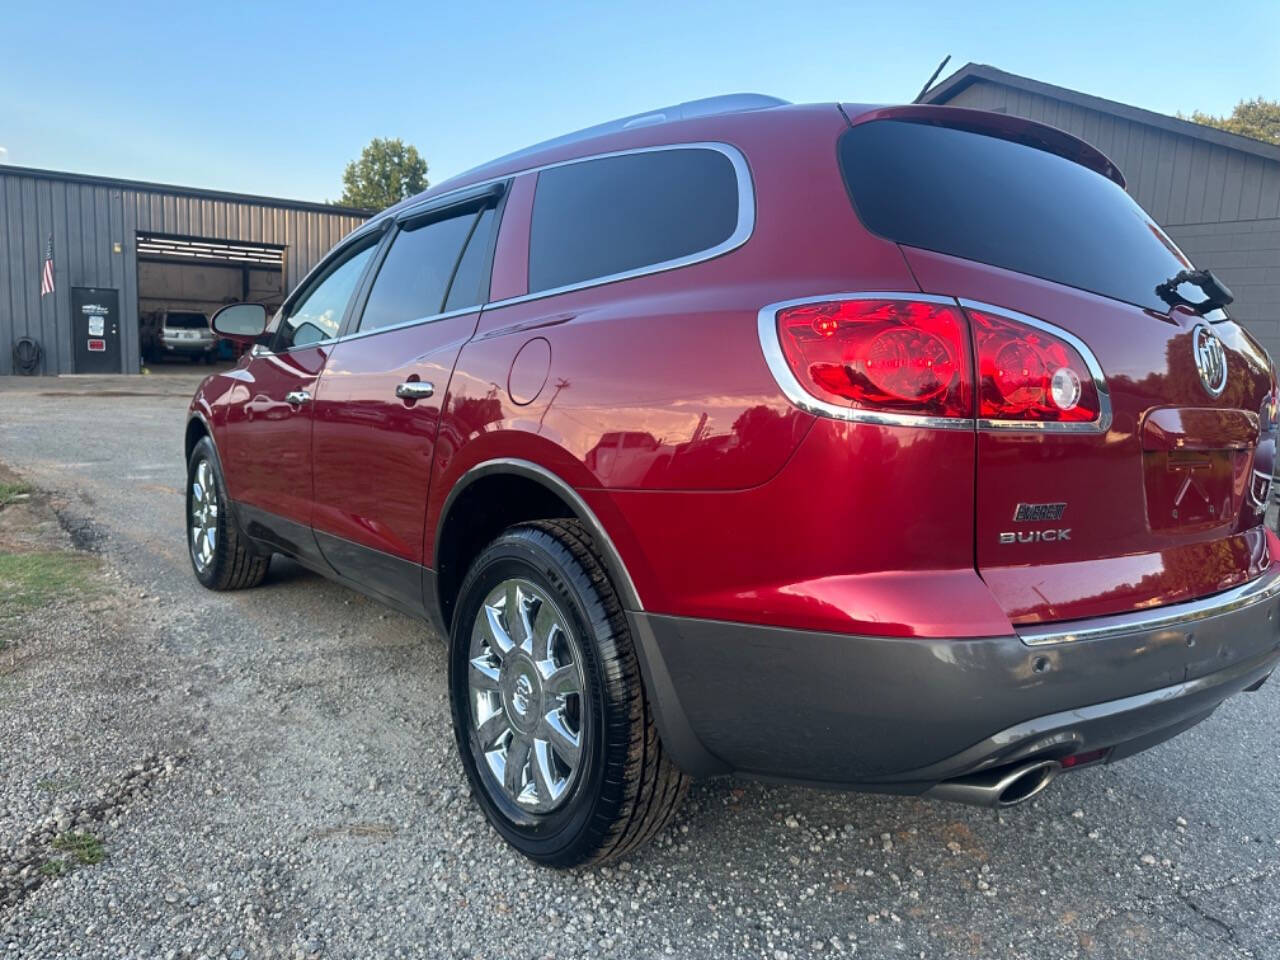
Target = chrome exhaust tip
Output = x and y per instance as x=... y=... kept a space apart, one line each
x=1003 y=787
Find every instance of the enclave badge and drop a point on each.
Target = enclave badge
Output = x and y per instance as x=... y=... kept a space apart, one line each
x=1031 y=512
x=1211 y=359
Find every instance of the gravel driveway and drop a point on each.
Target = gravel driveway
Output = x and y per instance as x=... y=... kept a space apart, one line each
x=272 y=774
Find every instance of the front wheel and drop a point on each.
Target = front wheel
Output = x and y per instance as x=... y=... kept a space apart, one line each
x=553 y=725
x=220 y=556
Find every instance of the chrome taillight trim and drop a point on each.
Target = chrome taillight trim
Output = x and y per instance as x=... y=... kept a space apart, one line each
x=1258 y=590
x=767 y=330
x=1101 y=425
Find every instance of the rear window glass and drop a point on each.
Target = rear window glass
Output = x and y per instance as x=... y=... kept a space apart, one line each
x=187 y=321
x=1008 y=205
x=611 y=215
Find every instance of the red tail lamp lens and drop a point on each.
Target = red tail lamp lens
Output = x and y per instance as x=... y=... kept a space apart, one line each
x=1029 y=374
x=895 y=355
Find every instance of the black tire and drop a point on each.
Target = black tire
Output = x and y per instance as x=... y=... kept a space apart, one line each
x=626 y=789
x=235 y=564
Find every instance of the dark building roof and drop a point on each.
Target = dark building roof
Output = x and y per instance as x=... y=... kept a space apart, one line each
x=970 y=73
x=143 y=186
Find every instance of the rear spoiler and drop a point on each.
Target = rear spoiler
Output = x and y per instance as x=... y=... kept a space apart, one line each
x=1029 y=132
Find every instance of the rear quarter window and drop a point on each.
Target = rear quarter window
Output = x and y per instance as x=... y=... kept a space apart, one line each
x=1008 y=205
x=597 y=218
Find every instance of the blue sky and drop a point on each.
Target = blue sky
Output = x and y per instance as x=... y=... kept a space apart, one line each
x=275 y=98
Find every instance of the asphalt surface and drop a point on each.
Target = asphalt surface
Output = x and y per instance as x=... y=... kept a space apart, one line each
x=302 y=796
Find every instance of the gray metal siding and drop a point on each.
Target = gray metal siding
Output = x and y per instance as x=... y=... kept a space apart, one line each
x=86 y=219
x=1221 y=206
x=1177 y=179
x=1246 y=255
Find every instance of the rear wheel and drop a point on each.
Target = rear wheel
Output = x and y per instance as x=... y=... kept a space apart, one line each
x=550 y=713
x=220 y=555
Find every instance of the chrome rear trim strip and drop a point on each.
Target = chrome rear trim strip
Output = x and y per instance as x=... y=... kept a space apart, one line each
x=1260 y=590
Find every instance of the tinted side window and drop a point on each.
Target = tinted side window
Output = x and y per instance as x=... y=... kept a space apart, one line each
x=317 y=313
x=471 y=283
x=414 y=277
x=601 y=217
x=1006 y=204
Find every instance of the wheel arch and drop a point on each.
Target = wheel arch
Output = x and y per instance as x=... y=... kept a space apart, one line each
x=197 y=427
x=492 y=496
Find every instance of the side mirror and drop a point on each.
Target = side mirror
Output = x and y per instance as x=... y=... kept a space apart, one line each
x=244 y=322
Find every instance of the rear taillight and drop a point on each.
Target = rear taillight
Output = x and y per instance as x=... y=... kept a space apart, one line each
x=1029 y=374
x=901 y=356
x=895 y=358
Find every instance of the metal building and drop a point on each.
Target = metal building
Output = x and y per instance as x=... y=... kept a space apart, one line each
x=1216 y=194
x=125 y=250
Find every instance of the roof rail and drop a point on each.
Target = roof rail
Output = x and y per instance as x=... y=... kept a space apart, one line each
x=708 y=106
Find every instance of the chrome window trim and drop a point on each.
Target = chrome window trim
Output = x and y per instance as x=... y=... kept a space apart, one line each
x=358 y=334
x=742 y=230
x=1258 y=590
x=1101 y=425
x=741 y=234
x=767 y=330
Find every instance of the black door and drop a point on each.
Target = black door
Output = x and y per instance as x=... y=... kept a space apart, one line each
x=95 y=329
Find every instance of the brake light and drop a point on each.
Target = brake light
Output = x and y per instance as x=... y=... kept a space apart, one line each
x=904 y=356
x=1025 y=373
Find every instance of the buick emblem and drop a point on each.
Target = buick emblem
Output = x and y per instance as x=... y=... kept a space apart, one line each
x=1211 y=359
x=522 y=693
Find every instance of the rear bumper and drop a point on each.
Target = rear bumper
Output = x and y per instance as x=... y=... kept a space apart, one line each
x=187 y=347
x=902 y=714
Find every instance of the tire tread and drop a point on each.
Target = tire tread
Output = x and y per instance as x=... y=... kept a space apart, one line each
x=652 y=787
x=641 y=788
x=236 y=565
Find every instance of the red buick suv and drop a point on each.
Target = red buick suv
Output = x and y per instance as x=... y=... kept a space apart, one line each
x=884 y=448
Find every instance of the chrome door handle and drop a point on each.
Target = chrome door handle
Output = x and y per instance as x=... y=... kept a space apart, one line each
x=415 y=390
x=297 y=397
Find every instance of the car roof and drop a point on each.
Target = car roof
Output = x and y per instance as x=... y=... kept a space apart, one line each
x=599 y=138
x=688 y=121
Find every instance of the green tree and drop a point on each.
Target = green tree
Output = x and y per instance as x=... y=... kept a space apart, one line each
x=1257 y=118
x=387 y=172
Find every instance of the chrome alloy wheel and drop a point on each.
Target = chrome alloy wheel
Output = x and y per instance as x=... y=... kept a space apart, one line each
x=203 y=521
x=525 y=684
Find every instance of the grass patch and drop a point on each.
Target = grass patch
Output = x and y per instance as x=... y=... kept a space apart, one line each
x=84 y=848
x=32 y=580
x=13 y=491
x=51 y=785
x=54 y=868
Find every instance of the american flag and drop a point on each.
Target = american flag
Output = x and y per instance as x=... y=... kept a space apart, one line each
x=46 y=272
